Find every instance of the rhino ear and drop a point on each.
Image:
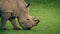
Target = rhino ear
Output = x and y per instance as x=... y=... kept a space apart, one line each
x=28 y=5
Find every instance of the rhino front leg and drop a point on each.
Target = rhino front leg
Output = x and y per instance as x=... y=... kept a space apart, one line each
x=4 y=16
x=13 y=22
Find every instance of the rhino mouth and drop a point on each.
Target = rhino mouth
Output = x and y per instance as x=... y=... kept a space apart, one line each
x=27 y=28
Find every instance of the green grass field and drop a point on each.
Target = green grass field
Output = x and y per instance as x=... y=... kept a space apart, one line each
x=50 y=20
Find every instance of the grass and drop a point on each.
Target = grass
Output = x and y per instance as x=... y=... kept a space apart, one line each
x=50 y=20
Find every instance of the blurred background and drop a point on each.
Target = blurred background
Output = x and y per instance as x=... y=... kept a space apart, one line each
x=48 y=11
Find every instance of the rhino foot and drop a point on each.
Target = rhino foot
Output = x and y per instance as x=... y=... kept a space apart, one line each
x=3 y=29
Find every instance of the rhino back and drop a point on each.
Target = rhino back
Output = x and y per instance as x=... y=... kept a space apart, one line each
x=8 y=4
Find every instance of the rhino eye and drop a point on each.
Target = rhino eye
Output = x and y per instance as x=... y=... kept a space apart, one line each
x=27 y=19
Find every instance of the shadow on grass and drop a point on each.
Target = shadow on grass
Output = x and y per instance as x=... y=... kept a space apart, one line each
x=10 y=31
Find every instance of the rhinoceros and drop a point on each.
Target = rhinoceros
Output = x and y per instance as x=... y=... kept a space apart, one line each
x=11 y=9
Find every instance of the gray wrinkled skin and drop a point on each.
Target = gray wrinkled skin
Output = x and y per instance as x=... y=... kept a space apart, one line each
x=11 y=9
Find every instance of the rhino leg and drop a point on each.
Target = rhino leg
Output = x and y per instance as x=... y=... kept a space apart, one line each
x=4 y=18
x=13 y=22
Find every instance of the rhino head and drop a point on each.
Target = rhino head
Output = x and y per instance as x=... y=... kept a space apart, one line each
x=27 y=24
x=26 y=21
